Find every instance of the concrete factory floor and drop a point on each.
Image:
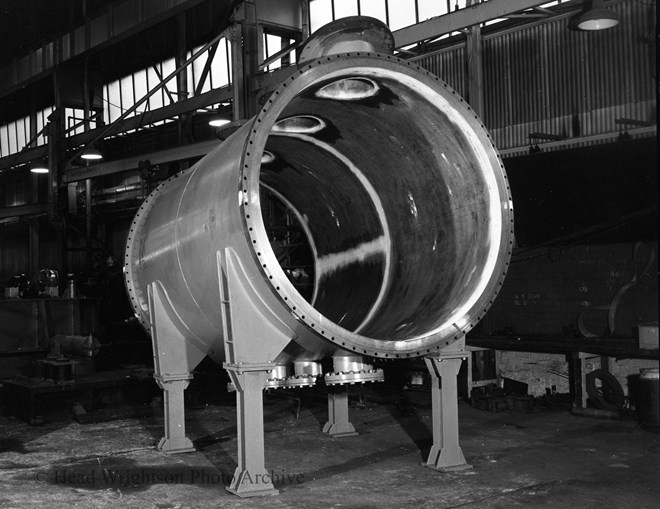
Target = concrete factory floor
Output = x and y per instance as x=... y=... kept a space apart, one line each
x=538 y=459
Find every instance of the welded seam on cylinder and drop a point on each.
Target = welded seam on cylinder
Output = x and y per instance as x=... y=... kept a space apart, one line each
x=385 y=243
x=178 y=259
x=129 y=276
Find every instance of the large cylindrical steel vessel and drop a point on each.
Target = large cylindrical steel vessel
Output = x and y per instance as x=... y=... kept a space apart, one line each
x=392 y=178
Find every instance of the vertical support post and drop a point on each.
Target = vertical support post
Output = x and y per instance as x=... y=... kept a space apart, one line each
x=88 y=182
x=475 y=68
x=446 y=454
x=246 y=326
x=338 y=424
x=88 y=221
x=175 y=439
x=245 y=60
x=304 y=15
x=174 y=358
x=250 y=477
x=180 y=57
x=57 y=220
x=577 y=378
x=34 y=259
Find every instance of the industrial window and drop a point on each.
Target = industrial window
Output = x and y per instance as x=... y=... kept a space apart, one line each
x=4 y=141
x=22 y=126
x=140 y=85
x=14 y=136
x=42 y=120
x=376 y=9
x=394 y=13
x=218 y=74
x=122 y=94
x=158 y=99
x=272 y=44
x=221 y=66
x=74 y=121
x=346 y=8
x=320 y=13
x=427 y=9
x=168 y=67
x=402 y=13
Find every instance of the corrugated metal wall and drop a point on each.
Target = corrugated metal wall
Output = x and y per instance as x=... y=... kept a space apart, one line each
x=549 y=78
x=14 y=249
x=450 y=65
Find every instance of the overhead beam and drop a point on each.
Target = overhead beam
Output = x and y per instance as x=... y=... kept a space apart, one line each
x=148 y=117
x=207 y=68
x=31 y=209
x=462 y=18
x=131 y=163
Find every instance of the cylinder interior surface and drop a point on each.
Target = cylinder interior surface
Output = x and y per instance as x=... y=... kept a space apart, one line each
x=396 y=202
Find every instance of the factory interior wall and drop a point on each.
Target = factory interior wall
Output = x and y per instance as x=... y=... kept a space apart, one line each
x=569 y=292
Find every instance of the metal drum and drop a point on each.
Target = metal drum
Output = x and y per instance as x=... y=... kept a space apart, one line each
x=649 y=399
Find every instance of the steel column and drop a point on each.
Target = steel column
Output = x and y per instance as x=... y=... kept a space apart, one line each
x=250 y=478
x=174 y=359
x=338 y=424
x=446 y=454
x=475 y=73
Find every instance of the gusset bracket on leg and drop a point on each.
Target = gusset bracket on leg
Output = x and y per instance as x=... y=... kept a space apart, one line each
x=175 y=356
x=446 y=454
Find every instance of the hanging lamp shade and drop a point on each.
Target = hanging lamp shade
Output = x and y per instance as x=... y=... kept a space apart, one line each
x=39 y=166
x=91 y=153
x=597 y=18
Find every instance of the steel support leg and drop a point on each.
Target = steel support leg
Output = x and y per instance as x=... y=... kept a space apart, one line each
x=175 y=440
x=253 y=337
x=338 y=424
x=446 y=454
x=250 y=478
x=174 y=359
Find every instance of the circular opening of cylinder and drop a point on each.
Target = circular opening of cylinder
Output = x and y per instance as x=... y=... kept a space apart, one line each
x=348 y=89
x=397 y=211
x=267 y=157
x=301 y=124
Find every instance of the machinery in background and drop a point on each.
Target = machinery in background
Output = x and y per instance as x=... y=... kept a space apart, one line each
x=45 y=283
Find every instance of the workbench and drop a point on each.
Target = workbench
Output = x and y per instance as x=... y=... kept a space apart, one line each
x=24 y=397
x=575 y=349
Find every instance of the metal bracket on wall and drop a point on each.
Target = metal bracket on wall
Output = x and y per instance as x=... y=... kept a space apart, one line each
x=446 y=454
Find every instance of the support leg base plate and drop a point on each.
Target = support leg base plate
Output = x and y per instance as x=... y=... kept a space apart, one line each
x=168 y=447
x=256 y=493
x=453 y=468
x=342 y=434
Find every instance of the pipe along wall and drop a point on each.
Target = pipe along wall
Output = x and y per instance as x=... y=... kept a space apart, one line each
x=402 y=217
